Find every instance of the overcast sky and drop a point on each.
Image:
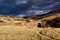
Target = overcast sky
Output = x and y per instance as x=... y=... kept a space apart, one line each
x=28 y=7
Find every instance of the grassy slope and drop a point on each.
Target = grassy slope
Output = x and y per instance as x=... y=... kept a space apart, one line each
x=9 y=31
x=23 y=33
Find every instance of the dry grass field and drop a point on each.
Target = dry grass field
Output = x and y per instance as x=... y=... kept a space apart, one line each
x=15 y=28
x=23 y=33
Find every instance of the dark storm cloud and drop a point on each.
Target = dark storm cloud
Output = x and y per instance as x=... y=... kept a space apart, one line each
x=28 y=7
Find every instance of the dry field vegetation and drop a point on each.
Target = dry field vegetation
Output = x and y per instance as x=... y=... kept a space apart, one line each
x=16 y=28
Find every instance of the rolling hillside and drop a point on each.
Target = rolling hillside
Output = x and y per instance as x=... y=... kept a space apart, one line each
x=26 y=28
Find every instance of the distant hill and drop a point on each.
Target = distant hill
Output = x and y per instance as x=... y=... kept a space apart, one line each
x=43 y=15
x=32 y=21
